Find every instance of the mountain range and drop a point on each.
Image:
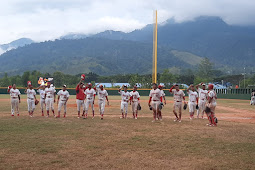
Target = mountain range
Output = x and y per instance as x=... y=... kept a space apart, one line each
x=181 y=45
x=15 y=44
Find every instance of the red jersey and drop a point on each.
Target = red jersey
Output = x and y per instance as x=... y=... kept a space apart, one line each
x=79 y=93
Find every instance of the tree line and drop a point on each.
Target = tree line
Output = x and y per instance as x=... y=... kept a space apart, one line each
x=205 y=73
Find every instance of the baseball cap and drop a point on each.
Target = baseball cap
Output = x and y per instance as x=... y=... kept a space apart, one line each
x=101 y=85
x=203 y=84
x=125 y=86
x=64 y=85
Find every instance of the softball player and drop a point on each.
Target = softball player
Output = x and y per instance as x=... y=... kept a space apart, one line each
x=134 y=101
x=179 y=96
x=202 y=94
x=15 y=99
x=124 y=101
x=80 y=97
x=155 y=100
x=50 y=95
x=41 y=91
x=102 y=95
x=63 y=96
x=253 y=97
x=164 y=98
x=193 y=100
x=90 y=94
x=211 y=103
x=31 y=97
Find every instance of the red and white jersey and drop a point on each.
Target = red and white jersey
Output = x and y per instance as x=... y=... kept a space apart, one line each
x=101 y=94
x=135 y=95
x=212 y=94
x=202 y=94
x=90 y=94
x=192 y=95
x=14 y=93
x=162 y=93
x=50 y=92
x=124 y=96
x=42 y=93
x=178 y=95
x=63 y=95
x=155 y=95
x=31 y=93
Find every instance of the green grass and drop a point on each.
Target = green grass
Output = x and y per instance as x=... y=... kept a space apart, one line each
x=113 y=143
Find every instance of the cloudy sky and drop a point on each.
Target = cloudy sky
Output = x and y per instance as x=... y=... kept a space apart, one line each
x=49 y=19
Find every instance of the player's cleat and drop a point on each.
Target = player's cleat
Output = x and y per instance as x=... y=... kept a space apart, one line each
x=64 y=116
x=78 y=117
x=180 y=121
x=121 y=117
x=31 y=115
x=175 y=120
x=160 y=119
x=17 y=114
x=102 y=118
x=12 y=115
x=136 y=118
x=57 y=116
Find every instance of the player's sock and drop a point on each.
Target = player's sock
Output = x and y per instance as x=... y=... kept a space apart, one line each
x=93 y=113
x=42 y=113
x=136 y=115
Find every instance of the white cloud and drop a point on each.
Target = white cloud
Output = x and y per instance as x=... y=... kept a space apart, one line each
x=49 y=19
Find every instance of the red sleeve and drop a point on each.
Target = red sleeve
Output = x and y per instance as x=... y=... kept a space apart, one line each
x=77 y=87
x=161 y=98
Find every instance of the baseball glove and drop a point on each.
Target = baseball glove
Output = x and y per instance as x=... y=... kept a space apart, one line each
x=139 y=107
x=36 y=102
x=197 y=107
x=161 y=105
x=215 y=120
x=185 y=106
x=150 y=108
x=207 y=110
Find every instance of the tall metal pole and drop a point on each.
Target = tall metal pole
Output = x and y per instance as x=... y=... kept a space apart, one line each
x=155 y=50
x=244 y=77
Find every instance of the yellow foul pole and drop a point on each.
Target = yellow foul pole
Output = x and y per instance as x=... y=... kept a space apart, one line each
x=155 y=52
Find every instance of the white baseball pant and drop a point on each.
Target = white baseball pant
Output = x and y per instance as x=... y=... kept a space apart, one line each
x=134 y=106
x=124 y=107
x=192 y=107
x=49 y=103
x=42 y=103
x=80 y=103
x=101 y=105
x=60 y=104
x=201 y=105
x=155 y=104
x=89 y=102
x=178 y=106
x=30 y=105
x=14 y=105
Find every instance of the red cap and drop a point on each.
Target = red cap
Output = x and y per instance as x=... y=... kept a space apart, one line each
x=210 y=86
x=29 y=83
x=9 y=87
x=83 y=76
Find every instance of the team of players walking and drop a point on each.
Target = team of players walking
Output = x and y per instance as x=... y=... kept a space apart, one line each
x=85 y=97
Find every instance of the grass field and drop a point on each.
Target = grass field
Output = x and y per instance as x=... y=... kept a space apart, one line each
x=113 y=143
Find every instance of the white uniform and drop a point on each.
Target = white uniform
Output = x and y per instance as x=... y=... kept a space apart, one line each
x=64 y=95
x=135 y=95
x=178 y=97
x=14 y=100
x=30 y=100
x=124 y=101
x=253 y=98
x=202 y=98
x=49 y=98
x=101 y=99
x=192 y=100
x=89 y=99
x=155 y=98
x=42 y=97
x=212 y=94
